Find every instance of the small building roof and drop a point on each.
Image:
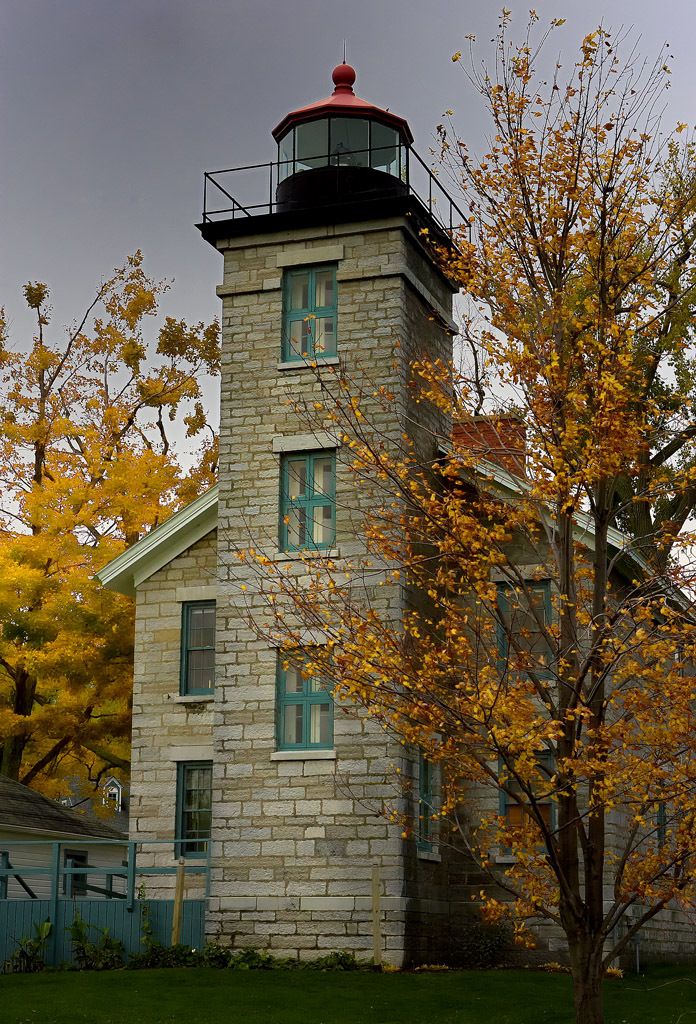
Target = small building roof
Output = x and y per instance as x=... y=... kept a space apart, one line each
x=24 y=808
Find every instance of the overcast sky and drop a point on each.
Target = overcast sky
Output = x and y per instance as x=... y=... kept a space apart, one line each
x=110 y=111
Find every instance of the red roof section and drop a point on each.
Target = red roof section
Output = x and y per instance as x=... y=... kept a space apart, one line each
x=342 y=103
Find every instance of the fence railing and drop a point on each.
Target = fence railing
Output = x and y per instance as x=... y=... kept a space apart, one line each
x=67 y=876
x=250 y=190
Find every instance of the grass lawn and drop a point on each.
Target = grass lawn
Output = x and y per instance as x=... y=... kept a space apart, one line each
x=208 y=996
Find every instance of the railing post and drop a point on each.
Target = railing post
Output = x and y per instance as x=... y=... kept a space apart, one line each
x=270 y=187
x=130 y=877
x=5 y=865
x=55 y=896
x=69 y=863
x=376 y=916
x=178 y=901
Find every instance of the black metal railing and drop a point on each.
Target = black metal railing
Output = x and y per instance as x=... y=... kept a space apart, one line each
x=250 y=190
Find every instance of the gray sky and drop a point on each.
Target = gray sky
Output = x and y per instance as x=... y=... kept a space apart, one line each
x=110 y=111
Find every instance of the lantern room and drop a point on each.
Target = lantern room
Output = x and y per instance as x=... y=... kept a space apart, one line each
x=341 y=146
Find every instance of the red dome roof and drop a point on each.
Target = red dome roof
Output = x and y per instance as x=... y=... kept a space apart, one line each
x=342 y=103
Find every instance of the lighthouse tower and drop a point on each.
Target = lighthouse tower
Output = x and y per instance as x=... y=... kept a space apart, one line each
x=326 y=265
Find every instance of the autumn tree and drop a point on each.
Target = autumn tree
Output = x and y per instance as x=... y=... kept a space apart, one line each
x=546 y=650
x=89 y=462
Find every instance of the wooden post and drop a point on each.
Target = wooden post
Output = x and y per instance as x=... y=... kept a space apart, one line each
x=376 y=916
x=178 y=901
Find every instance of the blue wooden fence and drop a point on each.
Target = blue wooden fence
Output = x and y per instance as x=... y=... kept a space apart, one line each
x=111 y=899
x=18 y=918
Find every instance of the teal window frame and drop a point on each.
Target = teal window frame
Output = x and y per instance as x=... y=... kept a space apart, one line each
x=426 y=804
x=186 y=690
x=506 y=801
x=308 y=502
x=186 y=843
x=310 y=313
x=661 y=824
x=306 y=700
x=504 y=589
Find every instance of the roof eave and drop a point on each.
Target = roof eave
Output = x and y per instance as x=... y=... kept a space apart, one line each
x=153 y=551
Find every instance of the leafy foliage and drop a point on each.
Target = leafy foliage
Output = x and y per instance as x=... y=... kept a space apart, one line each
x=541 y=652
x=106 y=954
x=88 y=466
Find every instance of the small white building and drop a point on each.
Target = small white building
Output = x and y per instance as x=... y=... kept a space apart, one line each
x=39 y=838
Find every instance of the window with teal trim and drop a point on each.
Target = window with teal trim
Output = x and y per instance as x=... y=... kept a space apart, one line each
x=309 y=313
x=525 y=611
x=197 y=648
x=307 y=500
x=426 y=803
x=305 y=707
x=516 y=812
x=661 y=824
x=194 y=788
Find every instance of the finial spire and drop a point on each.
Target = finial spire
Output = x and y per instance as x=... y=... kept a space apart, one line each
x=344 y=51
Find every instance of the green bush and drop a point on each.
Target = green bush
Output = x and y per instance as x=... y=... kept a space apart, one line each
x=106 y=954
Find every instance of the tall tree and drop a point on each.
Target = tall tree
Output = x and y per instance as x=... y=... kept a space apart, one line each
x=88 y=465
x=544 y=654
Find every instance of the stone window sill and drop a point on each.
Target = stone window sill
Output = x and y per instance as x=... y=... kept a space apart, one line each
x=309 y=364
x=303 y=755
x=431 y=855
x=186 y=698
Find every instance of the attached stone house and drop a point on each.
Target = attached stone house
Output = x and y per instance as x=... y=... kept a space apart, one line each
x=236 y=757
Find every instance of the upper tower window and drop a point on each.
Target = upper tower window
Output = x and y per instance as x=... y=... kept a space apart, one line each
x=308 y=500
x=309 y=313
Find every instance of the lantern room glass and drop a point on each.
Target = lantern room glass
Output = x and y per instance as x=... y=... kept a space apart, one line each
x=344 y=142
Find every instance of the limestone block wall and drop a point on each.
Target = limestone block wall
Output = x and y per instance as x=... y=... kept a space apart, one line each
x=296 y=834
x=167 y=728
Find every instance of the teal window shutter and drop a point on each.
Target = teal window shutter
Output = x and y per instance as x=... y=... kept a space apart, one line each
x=426 y=803
x=194 y=790
x=661 y=824
x=308 y=500
x=309 y=313
x=305 y=707
x=197 y=674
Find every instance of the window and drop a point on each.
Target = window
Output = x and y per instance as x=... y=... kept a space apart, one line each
x=515 y=813
x=522 y=646
x=426 y=803
x=197 y=648
x=193 y=807
x=307 y=500
x=309 y=313
x=305 y=707
x=74 y=885
x=112 y=795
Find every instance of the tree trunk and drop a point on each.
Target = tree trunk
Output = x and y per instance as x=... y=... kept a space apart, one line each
x=587 y=971
x=11 y=756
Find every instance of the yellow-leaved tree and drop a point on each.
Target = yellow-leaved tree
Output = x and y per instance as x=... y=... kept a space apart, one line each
x=543 y=662
x=88 y=465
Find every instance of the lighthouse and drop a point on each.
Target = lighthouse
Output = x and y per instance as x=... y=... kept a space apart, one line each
x=325 y=266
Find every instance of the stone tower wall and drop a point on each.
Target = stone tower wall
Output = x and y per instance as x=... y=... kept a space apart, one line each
x=296 y=834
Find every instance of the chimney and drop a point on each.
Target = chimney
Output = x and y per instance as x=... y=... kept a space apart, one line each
x=500 y=439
